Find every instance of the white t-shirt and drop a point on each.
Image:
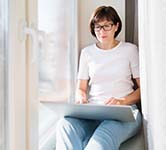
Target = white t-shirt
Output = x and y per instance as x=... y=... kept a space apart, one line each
x=109 y=71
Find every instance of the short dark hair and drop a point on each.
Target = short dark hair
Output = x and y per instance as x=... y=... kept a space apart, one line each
x=105 y=13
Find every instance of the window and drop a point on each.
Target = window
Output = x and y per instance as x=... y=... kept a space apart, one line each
x=58 y=53
x=3 y=73
x=57 y=61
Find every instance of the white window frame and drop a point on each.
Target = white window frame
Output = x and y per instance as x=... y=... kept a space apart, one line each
x=16 y=79
x=22 y=107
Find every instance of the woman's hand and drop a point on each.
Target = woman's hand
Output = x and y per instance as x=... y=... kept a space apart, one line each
x=82 y=101
x=81 y=97
x=114 y=101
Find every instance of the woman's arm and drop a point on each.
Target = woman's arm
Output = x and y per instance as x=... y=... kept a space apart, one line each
x=81 y=91
x=132 y=98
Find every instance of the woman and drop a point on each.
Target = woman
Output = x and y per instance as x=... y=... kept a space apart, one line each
x=106 y=71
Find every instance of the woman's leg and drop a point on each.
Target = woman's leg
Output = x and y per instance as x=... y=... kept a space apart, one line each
x=110 y=134
x=73 y=133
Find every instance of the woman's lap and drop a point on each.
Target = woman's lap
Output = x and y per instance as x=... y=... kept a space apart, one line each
x=111 y=133
x=96 y=134
x=74 y=132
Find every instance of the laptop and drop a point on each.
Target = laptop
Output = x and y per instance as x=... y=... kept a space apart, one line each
x=92 y=111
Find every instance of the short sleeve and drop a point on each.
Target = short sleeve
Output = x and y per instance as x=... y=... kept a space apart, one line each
x=83 y=72
x=134 y=62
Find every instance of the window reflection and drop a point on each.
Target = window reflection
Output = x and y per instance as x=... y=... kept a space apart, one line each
x=54 y=63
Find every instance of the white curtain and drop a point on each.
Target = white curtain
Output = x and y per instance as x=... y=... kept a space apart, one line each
x=152 y=47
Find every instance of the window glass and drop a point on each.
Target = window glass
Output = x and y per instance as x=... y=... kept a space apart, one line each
x=57 y=61
x=55 y=18
x=3 y=71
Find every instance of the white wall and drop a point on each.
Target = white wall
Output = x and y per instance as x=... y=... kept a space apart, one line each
x=85 y=9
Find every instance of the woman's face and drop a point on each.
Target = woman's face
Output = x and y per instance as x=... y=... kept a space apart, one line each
x=105 y=31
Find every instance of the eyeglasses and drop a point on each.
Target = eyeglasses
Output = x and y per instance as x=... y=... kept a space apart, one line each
x=106 y=27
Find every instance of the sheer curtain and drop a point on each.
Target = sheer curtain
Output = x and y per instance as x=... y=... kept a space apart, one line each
x=152 y=35
x=3 y=73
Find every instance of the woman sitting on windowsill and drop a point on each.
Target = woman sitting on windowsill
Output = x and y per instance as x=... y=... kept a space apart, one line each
x=107 y=67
